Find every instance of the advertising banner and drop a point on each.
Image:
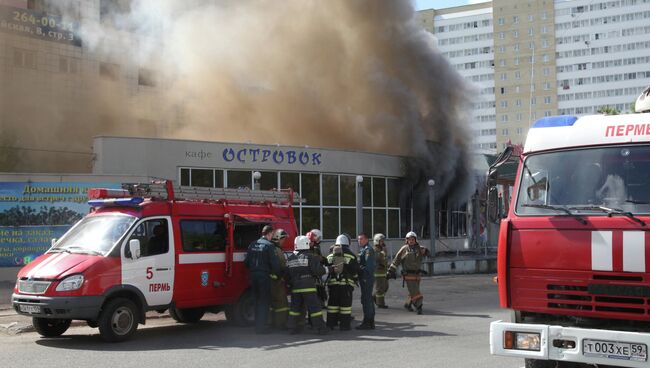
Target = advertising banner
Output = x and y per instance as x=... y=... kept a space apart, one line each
x=32 y=213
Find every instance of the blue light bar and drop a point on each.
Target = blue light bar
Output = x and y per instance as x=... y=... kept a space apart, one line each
x=555 y=121
x=116 y=202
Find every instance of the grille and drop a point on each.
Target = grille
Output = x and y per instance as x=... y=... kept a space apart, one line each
x=608 y=298
x=33 y=287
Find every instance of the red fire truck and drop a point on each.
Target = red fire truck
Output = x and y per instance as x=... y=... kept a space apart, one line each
x=573 y=256
x=151 y=247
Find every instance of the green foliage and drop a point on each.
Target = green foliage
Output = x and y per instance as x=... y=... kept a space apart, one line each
x=608 y=110
x=23 y=215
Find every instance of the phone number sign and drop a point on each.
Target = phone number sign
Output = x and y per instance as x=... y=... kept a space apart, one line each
x=38 y=25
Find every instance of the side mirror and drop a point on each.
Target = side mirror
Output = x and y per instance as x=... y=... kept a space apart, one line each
x=134 y=247
x=493 y=205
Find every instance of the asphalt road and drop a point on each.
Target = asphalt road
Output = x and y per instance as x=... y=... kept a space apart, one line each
x=452 y=332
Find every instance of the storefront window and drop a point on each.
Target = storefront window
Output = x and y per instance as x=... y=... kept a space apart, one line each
x=269 y=180
x=378 y=192
x=348 y=190
x=311 y=189
x=239 y=179
x=379 y=221
x=330 y=190
x=185 y=177
x=367 y=191
x=330 y=223
x=202 y=178
x=393 y=193
x=218 y=178
x=348 y=221
x=393 y=224
x=367 y=222
x=310 y=219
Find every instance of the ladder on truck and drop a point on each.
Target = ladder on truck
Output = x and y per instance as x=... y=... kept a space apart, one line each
x=167 y=191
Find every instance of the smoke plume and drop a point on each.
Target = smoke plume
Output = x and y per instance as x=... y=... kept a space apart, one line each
x=352 y=74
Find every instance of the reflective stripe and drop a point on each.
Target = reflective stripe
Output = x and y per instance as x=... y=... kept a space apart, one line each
x=307 y=290
x=273 y=277
x=346 y=311
x=411 y=278
x=281 y=310
x=351 y=256
x=379 y=295
x=417 y=297
x=316 y=314
x=292 y=313
x=380 y=275
x=332 y=309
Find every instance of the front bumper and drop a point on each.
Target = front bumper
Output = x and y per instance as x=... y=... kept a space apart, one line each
x=551 y=333
x=65 y=307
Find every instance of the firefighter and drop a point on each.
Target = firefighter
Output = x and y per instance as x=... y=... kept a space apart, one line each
x=410 y=258
x=315 y=236
x=279 y=304
x=303 y=268
x=262 y=262
x=367 y=267
x=381 y=282
x=341 y=283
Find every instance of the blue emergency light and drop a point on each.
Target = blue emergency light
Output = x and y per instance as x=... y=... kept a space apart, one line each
x=555 y=121
x=116 y=202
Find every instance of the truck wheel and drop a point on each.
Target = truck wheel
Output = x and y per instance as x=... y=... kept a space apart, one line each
x=50 y=327
x=118 y=320
x=187 y=315
x=243 y=312
x=535 y=363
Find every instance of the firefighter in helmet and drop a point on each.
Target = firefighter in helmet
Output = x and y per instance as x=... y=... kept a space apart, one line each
x=381 y=282
x=341 y=283
x=315 y=236
x=303 y=268
x=279 y=304
x=410 y=257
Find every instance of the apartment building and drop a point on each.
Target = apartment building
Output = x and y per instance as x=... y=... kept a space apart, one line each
x=547 y=58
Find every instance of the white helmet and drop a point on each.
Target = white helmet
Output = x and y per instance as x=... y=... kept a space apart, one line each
x=411 y=234
x=342 y=240
x=314 y=235
x=377 y=238
x=642 y=103
x=301 y=242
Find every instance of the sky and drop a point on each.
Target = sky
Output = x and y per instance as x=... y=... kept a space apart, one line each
x=441 y=4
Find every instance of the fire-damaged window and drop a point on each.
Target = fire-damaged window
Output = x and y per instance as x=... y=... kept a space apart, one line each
x=203 y=235
x=583 y=181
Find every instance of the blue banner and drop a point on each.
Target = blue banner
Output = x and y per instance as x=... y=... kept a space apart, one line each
x=32 y=213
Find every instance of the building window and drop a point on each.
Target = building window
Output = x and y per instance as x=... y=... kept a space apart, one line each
x=516 y=47
x=544 y=43
x=518 y=102
x=531 y=17
x=504 y=104
x=330 y=190
x=239 y=179
x=146 y=77
x=520 y=131
x=203 y=235
x=547 y=100
x=544 y=30
x=519 y=116
x=504 y=118
x=515 y=34
x=533 y=101
x=516 y=61
x=24 y=58
x=515 y=19
x=502 y=21
x=109 y=71
x=504 y=76
x=531 y=32
x=68 y=65
x=546 y=71
x=547 y=86
x=504 y=132
x=502 y=35
x=503 y=90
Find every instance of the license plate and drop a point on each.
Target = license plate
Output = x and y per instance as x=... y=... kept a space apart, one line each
x=615 y=350
x=29 y=308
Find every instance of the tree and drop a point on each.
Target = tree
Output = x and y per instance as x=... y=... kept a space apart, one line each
x=608 y=110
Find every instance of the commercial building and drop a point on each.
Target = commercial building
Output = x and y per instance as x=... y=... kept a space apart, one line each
x=546 y=58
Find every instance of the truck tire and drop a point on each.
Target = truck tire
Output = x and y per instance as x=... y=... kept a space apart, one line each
x=187 y=315
x=243 y=312
x=50 y=327
x=535 y=363
x=118 y=320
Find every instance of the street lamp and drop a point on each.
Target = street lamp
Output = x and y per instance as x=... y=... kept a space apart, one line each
x=359 y=204
x=432 y=216
x=256 y=180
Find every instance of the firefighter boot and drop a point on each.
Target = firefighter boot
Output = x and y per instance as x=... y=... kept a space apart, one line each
x=420 y=309
x=332 y=320
x=408 y=306
x=367 y=324
x=345 y=322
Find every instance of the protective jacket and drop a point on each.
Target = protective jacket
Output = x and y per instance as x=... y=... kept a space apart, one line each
x=261 y=257
x=410 y=258
x=303 y=268
x=350 y=272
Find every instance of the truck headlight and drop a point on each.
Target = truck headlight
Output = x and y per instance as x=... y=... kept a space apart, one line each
x=70 y=283
x=522 y=341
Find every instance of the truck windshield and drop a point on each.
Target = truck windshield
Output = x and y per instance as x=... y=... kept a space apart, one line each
x=94 y=234
x=583 y=180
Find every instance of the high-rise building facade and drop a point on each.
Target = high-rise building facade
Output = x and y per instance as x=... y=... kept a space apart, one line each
x=464 y=35
x=550 y=57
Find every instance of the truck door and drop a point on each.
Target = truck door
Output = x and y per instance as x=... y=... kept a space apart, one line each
x=153 y=272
